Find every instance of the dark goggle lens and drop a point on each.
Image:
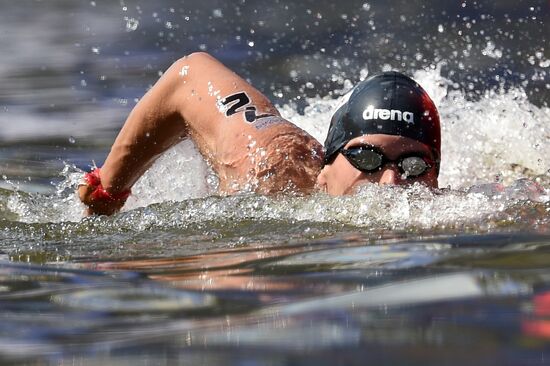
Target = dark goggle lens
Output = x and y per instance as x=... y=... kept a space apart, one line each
x=413 y=166
x=365 y=159
x=370 y=160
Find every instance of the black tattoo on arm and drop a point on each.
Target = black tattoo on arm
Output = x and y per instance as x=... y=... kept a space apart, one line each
x=235 y=104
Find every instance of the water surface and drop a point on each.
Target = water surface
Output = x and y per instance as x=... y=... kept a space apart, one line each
x=389 y=275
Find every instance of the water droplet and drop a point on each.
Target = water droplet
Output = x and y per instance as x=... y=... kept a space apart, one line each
x=131 y=24
x=184 y=70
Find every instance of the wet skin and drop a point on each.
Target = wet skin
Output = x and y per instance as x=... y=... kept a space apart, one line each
x=340 y=177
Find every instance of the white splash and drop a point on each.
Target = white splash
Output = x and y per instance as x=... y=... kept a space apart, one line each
x=179 y=174
x=500 y=137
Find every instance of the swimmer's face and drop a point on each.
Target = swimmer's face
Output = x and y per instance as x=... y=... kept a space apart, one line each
x=341 y=177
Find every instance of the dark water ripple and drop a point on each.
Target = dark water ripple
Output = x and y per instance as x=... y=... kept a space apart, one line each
x=257 y=304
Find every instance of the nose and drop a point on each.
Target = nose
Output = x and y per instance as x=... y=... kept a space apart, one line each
x=389 y=175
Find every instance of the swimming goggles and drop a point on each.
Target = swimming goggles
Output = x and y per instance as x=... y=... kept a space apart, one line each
x=368 y=159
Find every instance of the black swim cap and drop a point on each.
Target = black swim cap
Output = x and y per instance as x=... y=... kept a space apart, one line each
x=389 y=103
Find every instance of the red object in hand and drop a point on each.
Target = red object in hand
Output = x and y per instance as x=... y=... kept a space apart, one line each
x=100 y=194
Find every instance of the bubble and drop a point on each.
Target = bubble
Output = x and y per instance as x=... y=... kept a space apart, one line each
x=217 y=13
x=72 y=140
x=440 y=28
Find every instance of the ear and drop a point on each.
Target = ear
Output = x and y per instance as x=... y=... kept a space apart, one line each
x=322 y=180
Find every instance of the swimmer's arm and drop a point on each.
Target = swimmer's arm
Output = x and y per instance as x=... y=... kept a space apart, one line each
x=154 y=125
x=184 y=102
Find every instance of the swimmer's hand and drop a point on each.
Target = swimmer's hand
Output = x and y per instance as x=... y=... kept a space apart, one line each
x=98 y=200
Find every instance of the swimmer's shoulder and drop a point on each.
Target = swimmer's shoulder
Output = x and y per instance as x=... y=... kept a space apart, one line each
x=292 y=161
x=280 y=157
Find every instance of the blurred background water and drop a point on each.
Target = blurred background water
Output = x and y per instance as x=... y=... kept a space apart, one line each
x=182 y=276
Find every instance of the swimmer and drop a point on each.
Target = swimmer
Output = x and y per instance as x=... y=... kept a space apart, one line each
x=385 y=131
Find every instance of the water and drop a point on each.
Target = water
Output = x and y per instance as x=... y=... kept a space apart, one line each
x=458 y=275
